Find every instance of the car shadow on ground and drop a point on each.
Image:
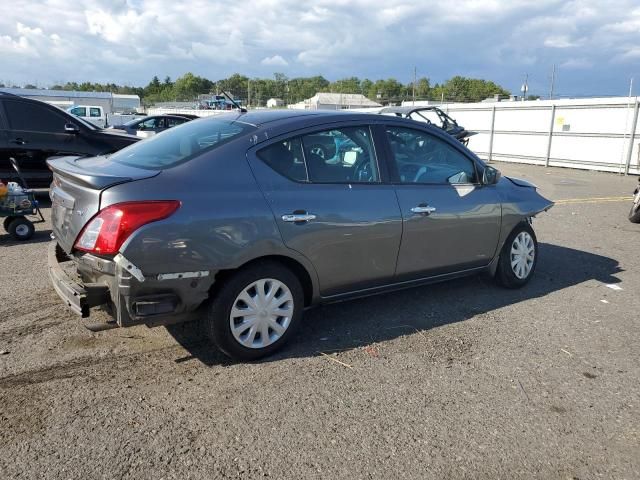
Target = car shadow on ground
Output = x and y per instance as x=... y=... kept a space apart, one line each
x=357 y=323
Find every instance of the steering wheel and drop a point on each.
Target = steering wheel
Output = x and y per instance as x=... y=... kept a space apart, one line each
x=362 y=171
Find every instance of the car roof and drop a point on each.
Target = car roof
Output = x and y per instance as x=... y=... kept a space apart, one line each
x=407 y=109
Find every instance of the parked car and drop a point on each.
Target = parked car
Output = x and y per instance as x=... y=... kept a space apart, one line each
x=433 y=116
x=148 y=126
x=31 y=131
x=234 y=221
x=93 y=114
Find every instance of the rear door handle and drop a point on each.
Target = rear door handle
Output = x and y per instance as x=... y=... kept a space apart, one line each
x=423 y=209
x=18 y=141
x=298 y=217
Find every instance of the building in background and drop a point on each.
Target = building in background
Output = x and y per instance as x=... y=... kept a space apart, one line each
x=110 y=102
x=335 y=101
x=275 y=103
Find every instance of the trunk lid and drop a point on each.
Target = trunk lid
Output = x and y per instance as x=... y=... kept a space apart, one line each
x=75 y=192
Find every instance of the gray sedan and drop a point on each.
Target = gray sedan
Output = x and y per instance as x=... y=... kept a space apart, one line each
x=235 y=222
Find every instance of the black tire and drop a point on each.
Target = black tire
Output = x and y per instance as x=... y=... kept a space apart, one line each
x=505 y=274
x=6 y=223
x=21 y=229
x=217 y=324
x=634 y=213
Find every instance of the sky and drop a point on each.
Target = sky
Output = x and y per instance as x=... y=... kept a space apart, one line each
x=594 y=44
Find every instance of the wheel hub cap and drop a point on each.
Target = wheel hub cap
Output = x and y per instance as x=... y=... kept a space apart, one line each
x=261 y=313
x=522 y=255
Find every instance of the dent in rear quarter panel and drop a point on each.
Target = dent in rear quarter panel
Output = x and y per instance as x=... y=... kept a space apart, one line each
x=518 y=204
x=222 y=223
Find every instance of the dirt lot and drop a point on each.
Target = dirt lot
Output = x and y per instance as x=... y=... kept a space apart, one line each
x=457 y=380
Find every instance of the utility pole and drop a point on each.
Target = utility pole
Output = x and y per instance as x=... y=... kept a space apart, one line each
x=414 y=85
x=553 y=81
x=248 y=93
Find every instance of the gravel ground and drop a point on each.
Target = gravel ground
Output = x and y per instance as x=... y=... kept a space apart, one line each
x=456 y=380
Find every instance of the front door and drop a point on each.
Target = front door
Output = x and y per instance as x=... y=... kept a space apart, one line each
x=333 y=208
x=451 y=221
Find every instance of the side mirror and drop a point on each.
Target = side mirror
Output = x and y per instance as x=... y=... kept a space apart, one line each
x=71 y=128
x=490 y=176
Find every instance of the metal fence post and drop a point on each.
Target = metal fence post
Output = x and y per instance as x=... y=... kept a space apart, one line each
x=553 y=118
x=632 y=137
x=493 y=121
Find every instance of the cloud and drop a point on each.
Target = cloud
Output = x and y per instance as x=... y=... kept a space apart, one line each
x=129 y=41
x=276 y=60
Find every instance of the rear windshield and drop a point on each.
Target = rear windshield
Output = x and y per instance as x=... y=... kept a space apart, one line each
x=180 y=144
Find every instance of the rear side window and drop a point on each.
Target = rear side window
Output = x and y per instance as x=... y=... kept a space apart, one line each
x=32 y=117
x=181 y=144
x=94 y=112
x=286 y=158
x=342 y=155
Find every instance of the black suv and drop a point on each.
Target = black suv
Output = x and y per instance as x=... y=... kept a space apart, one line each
x=32 y=131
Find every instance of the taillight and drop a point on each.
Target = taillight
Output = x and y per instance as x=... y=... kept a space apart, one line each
x=106 y=232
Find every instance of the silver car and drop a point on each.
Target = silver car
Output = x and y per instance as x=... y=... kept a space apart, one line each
x=238 y=222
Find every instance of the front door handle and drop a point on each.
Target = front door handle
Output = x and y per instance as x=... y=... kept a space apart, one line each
x=423 y=209
x=298 y=217
x=19 y=141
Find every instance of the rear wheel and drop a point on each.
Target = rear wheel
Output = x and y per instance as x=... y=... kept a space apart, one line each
x=518 y=257
x=21 y=229
x=255 y=311
x=6 y=223
x=634 y=214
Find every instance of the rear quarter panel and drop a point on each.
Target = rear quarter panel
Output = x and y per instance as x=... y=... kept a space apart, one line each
x=222 y=223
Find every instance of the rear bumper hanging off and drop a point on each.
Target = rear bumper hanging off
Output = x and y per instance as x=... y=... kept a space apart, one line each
x=79 y=297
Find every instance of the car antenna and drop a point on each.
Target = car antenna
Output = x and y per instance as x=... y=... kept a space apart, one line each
x=242 y=110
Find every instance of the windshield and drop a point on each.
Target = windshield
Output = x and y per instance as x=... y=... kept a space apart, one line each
x=180 y=144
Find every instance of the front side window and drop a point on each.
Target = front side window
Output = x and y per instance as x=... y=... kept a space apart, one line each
x=94 y=112
x=342 y=155
x=34 y=117
x=79 y=111
x=423 y=158
x=181 y=144
x=149 y=124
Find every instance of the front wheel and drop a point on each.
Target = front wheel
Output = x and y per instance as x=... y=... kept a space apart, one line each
x=634 y=214
x=255 y=311
x=518 y=257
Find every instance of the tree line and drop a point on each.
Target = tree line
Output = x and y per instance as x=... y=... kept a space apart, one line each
x=256 y=91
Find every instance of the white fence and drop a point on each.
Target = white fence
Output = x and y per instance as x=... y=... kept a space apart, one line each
x=595 y=134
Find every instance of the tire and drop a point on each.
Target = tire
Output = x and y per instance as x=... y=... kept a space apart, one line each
x=6 y=223
x=226 y=305
x=520 y=273
x=21 y=229
x=634 y=213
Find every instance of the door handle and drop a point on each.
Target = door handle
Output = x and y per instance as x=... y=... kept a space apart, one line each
x=423 y=209
x=298 y=217
x=18 y=141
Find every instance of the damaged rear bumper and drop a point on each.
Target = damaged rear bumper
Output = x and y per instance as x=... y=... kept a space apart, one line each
x=84 y=281
x=78 y=297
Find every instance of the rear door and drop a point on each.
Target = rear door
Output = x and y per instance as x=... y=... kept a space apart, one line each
x=333 y=209
x=451 y=221
x=97 y=116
